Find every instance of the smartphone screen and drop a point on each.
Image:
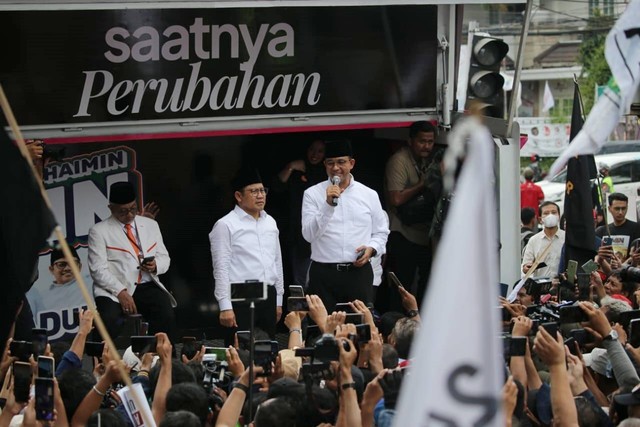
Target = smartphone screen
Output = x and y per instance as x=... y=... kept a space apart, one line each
x=364 y=333
x=344 y=306
x=21 y=349
x=355 y=318
x=21 y=381
x=219 y=352
x=265 y=355
x=297 y=304
x=571 y=344
x=46 y=367
x=296 y=291
x=143 y=344
x=44 y=399
x=244 y=339
x=551 y=328
x=94 y=349
x=39 y=339
x=394 y=279
x=248 y=291
x=634 y=333
x=626 y=317
x=572 y=270
x=590 y=266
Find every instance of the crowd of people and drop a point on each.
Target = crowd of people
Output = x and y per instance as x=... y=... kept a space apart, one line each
x=344 y=362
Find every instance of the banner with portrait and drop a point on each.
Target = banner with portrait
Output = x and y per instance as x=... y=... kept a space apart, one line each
x=78 y=189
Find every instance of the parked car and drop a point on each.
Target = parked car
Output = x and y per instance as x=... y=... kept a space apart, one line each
x=624 y=170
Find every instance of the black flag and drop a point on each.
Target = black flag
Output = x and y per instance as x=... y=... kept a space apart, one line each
x=578 y=202
x=25 y=224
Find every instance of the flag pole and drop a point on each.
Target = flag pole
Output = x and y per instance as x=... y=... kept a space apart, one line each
x=13 y=124
x=601 y=202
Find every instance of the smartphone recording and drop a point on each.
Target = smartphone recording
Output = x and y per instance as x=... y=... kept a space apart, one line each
x=46 y=367
x=44 y=399
x=143 y=344
x=297 y=304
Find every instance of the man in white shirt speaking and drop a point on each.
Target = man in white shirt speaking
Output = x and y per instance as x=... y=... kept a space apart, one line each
x=245 y=246
x=346 y=226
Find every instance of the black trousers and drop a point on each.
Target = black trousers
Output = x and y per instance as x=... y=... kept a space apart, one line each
x=334 y=283
x=265 y=317
x=151 y=302
x=406 y=259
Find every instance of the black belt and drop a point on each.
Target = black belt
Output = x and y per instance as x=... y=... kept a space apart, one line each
x=145 y=283
x=338 y=266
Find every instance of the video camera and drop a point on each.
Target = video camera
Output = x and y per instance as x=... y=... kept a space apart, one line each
x=325 y=350
x=214 y=363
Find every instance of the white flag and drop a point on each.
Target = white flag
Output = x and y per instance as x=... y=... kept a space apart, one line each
x=457 y=368
x=622 y=50
x=547 y=100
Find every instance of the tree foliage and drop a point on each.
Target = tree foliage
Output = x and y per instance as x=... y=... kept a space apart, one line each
x=595 y=70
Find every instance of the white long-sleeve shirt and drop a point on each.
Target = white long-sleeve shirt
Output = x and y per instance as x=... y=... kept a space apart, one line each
x=336 y=231
x=243 y=248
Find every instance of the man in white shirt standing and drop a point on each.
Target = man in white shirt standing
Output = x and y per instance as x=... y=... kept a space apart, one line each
x=245 y=246
x=545 y=246
x=346 y=226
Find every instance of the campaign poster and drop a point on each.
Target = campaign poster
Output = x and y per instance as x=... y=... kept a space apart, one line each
x=78 y=189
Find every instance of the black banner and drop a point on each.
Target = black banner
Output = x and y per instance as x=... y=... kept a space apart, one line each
x=66 y=67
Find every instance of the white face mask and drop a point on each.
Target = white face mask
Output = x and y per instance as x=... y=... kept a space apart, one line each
x=550 y=221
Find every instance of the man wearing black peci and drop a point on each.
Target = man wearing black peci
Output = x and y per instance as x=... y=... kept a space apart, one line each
x=126 y=255
x=346 y=226
x=245 y=246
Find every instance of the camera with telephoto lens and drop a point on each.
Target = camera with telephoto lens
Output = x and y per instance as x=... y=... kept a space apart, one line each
x=55 y=154
x=326 y=348
x=544 y=313
x=631 y=274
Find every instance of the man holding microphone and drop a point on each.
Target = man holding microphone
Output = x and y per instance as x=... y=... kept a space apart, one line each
x=346 y=226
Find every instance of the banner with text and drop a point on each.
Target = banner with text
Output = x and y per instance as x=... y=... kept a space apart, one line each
x=78 y=189
x=90 y=66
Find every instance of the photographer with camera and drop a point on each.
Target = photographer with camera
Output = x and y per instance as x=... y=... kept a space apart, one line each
x=412 y=206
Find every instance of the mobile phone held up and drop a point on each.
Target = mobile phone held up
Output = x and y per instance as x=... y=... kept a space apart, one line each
x=296 y=291
x=46 y=367
x=394 y=279
x=40 y=340
x=297 y=304
x=44 y=399
x=143 y=344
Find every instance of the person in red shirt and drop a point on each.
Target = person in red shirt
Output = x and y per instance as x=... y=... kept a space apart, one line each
x=531 y=195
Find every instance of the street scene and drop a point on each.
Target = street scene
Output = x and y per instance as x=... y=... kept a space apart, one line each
x=345 y=213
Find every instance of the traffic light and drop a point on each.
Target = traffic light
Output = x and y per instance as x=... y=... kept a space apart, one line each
x=485 y=82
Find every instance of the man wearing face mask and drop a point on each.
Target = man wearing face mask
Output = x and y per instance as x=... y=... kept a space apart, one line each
x=545 y=246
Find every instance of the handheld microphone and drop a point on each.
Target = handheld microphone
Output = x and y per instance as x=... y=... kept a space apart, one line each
x=335 y=180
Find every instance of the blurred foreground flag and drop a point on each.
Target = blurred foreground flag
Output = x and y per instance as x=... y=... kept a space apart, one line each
x=25 y=225
x=622 y=50
x=457 y=368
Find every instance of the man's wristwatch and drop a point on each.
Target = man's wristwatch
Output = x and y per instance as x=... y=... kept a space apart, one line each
x=613 y=336
x=412 y=313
